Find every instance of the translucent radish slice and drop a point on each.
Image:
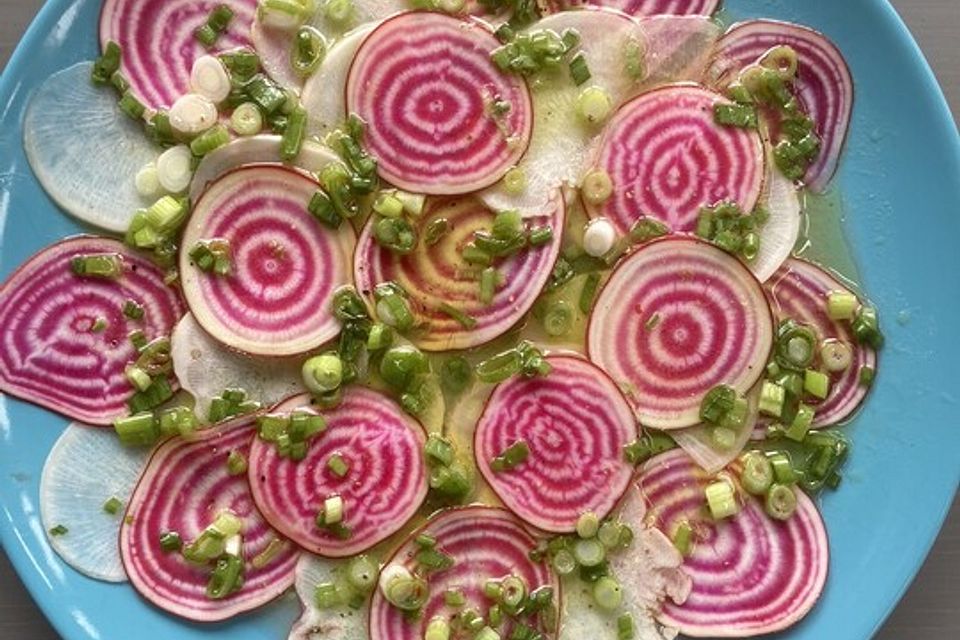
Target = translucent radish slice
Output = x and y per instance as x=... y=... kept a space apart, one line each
x=84 y=151
x=824 y=85
x=385 y=483
x=323 y=92
x=342 y=622
x=799 y=290
x=678 y=48
x=561 y=141
x=206 y=367
x=676 y=319
x=85 y=468
x=575 y=423
x=779 y=235
x=751 y=574
x=158 y=44
x=285 y=265
x=667 y=158
x=52 y=355
x=437 y=274
x=485 y=543
x=424 y=83
x=700 y=445
x=261 y=149
x=637 y=8
x=649 y=572
x=185 y=486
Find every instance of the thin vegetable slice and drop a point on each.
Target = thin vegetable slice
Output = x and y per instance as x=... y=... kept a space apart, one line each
x=649 y=571
x=678 y=48
x=426 y=87
x=157 y=61
x=65 y=336
x=779 y=234
x=799 y=290
x=438 y=273
x=638 y=8
x=340 y=621
x=285 y=265
x=260 y=149
x=667 y=158
x=323 y=92
x=824 y=85
x=727 y=599
x=561 y=141
x=184 y=489
x=711 y=452
x=574 y=423
x=85 y=469
x=676 y=319
x=385 y=484
x=84 y=151
x=484 y=543
x=205 y=368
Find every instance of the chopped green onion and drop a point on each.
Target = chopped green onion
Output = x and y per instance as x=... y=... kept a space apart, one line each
x=836 y=356
x=322 y=208
x=59 y=530
x=735 y=115
x=866 y=376
x=331 y=513
x=540 y=236
x=402 y=590
x=227 y=577
x=513 y=590
x=293 y=134
x=265 y=557
x=866 y=328
x=842 y=305
x=594 y=105
x=362 y=573
x=721 y=499
x=486 y=633
x=438 y=450
x=597 y=187
x=112 y=505
x=400 y=365
x=131 y=106
x=683 y=538
x=607 y=593
x=308 y=50
x=434 y=231
x=456 y=374
x=646 y=229
x=588 y=524
x=488 y=284
x=513 y=456
x=626 y=630
x=380 y=337
x=717 y=404
x=326 y=595
x=236 y=463
x=816 y=383
x=337 y=465
x=633 y=57
x=140 y=430
x=781 y=502
x=99 y=265
x=338 y=11
x=433 y=560
x=783 y=471
x=322 y=373
x=796 y=346
x=132 y=310
x=558 y=318
x=782 y=59
x=757 y=473
x=213 y=138
x=772 y=398
x=465 y=320
x=177 y=420
x=579 y=71
x=454 y=598
x=515 y=181
x=723 y=438
x=395 y=234
x=801 y=424
x=106 y=64
x=564 y=563
x=589 y=552
x=589 y=291
x=170 y=541
x=437 y=629
x=450 y=482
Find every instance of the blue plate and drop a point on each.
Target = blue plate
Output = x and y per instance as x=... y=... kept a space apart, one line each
x=900 y=182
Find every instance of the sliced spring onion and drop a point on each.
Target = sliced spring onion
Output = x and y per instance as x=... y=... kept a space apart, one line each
x=209 y=78
x=395 y=234
x=816 y=383
x=513 y=456
x=842 y=305
x=594 y=105
x=139 y=430
x=113 y=505
x=558 y=318
x=564 y=563
x=292 y=139
x=98 y=265
x=59 y=530
x=465 y=320
x=683 y=538
x=801 y=424
x=338 y=466
x=866 y=328
x=607 y=593
x=515 y=181
x=322 y=373
x=170 y=541
x=783 y=471
x=192 y=114
x=579 y=70
x=106 y=64
x=174 y=168
x=757 y=473
x=401 y=589
x=236 y=463
x=147 y=182
x=781 y=502
x=866 y=376
x=400 y=365
x=213 y=138
x=735 y=115
x=721 y=499
x=626 y=629
x=227 y=577
x=308 y=51
x=437 y=629
x=362 y=573
x=513 y=590
x=246 y=119
x=597 y=187
x=836 y=356
x=588 y=525
x=772 y=398
x=589 y=553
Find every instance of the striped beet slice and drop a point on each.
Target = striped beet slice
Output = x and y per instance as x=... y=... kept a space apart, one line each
x=285 y=265
x=575 y=423
x=384 y=486
x=437 y=274
x=824 y=85
x=677 y=318
x=667 y=158
x=185 y=486
x=52 y=356
x=799 y=290
x=752 y=575
x=158 y=44
x=485 y=543
x=425 y=85
x=637 y=7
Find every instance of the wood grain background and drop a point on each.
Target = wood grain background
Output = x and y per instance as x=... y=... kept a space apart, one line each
x=930 y=608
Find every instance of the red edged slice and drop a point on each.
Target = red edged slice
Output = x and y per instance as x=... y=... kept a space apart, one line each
x=385 y=483
x=639 y=8
x=185 y=486
x=425 y=85
x=676 y=319
x=575 y=423
x=752 y=575
x=52 y=355
x=485 y=543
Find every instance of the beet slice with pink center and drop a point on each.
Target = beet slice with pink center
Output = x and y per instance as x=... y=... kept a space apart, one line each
x=824 y=85
x=575 y=423
x=751 y=574
x=56 y=350
x=158 y=44
x=285 y=265
x=185 y=486
x=676 y=319
x=426 y=87
x=437 y=274
x=799 y=290
x=485 y=543
x=385 y=482
x=639 y=8
x=667 y=158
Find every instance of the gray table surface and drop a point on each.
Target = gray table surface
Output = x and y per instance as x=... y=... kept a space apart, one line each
x=928 y=610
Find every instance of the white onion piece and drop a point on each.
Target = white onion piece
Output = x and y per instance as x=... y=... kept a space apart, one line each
x=173 y=168
x=561 y=142
x=259 y=149
x=649 y=570
x=147 y=182
x=192 y=113
x=86 y=467
x=209 y=79
x=316 y=623
x=781 y=200
x=84 y=151
x=698 y=442
x=205 y=368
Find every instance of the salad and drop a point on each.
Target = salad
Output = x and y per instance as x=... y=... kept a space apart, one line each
x=489 y=320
